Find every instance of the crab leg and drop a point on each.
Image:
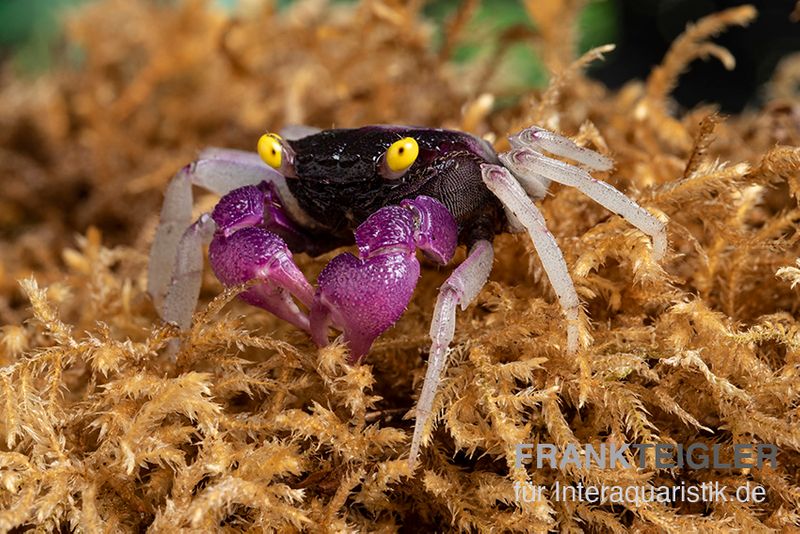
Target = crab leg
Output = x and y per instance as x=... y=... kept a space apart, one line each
x=505 y=187
x=560 y=146
x=176 y=215
x=461 y=288
x=181 y=296
x=528 y=166
x=363 y=296
x=219 y=171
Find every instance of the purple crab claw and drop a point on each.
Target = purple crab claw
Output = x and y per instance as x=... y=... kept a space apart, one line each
x=254 y=253
x=246 y=246
x=365 y=296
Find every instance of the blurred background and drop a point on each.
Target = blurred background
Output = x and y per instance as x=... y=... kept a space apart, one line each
x=30 y=41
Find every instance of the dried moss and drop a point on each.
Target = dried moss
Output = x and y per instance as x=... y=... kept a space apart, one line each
x=113 y=421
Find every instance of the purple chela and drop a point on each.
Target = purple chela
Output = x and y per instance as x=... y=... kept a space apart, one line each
x=365 y=296
x=362 y=296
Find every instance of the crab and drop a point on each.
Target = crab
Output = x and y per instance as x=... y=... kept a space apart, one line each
x=391 y=190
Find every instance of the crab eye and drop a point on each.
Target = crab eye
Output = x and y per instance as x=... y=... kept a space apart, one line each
x=271 y=150
x=402 y=154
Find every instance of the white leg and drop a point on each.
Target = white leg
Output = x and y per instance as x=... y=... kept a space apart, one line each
x=529 y=166
x=184 y=287
x=460 y=288
x=560 y=146
x=505 y=187
x=222 y=170
x=176 y=215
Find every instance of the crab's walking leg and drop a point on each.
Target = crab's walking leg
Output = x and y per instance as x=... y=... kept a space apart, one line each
x=460 y=288
x=560 y=146
x=176 y=215
x=187 y=275
x=505 y=187
x=364 y=296
x=530 y=166
x=220 y=171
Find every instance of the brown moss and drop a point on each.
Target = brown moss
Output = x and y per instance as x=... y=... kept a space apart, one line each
x=113 y=421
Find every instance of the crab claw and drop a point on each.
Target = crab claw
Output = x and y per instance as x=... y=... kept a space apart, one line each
x=362 y=297
x=365 y=296
x=242 y=251
x=255 y=253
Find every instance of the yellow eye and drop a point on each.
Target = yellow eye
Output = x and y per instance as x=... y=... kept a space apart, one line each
x=402 y=154
x=270 y=150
